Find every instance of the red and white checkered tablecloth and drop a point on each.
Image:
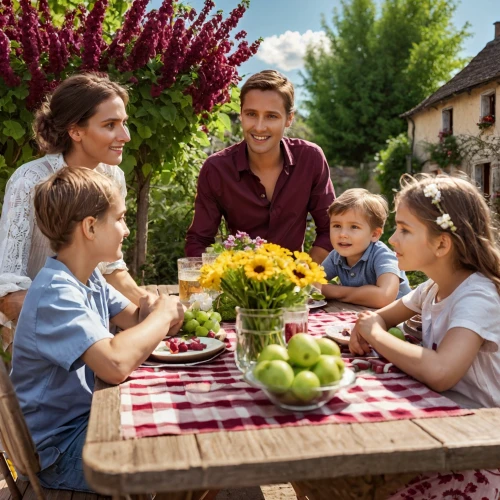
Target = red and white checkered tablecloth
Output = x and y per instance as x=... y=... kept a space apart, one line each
x=213 y=397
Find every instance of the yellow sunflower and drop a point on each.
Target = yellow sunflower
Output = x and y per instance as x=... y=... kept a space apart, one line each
x=259 y=268
x=318 y=273
x=302 y=256
x=274 y=250
x=300 y=274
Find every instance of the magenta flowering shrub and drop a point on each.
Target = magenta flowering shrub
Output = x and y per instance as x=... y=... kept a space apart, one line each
x=181 y=68
x=182 y=41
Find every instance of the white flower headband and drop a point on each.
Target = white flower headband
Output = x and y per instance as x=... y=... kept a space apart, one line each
x=444 y=221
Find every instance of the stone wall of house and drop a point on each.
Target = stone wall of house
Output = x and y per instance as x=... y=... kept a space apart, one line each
x=354 y=177
x=466 y=114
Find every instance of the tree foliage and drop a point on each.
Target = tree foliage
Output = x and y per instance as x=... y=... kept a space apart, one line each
x=392 y=164
x=379 y=65
x=180 y=68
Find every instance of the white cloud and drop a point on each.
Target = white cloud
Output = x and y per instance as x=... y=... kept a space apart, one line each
x=287 y=51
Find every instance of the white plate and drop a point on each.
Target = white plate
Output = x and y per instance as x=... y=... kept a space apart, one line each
x=335 y=332
x=213 y=347
x=149 y=363
x=316 y=303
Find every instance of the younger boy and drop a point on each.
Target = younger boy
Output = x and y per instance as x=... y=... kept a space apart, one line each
x=368 y=270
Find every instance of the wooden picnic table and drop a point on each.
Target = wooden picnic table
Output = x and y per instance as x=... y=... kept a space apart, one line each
x=360 y=460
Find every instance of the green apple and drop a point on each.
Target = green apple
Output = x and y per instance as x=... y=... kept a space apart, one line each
x=201 y=317
x=305 y=385
x=276 y=375
x=191 y=326
x=298 y=369
x=303 y=350
x=259 y=367
x=328 y=346
x=188 y=316
x=340 y=364
x=201 y=331
x=216 y=316
x=397 y=333
x=274 y=351
x=327 y=370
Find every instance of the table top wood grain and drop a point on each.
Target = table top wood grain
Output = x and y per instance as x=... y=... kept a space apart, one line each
x=255 y=457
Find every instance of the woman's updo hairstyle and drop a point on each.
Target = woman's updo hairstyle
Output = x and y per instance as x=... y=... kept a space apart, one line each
x=73 y=102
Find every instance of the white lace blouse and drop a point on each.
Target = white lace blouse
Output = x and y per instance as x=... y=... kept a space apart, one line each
x=23 y=248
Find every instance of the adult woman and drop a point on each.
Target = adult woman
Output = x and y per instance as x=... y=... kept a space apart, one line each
x=82 y=124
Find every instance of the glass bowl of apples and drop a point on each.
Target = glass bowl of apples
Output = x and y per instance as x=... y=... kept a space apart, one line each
x=303 y=376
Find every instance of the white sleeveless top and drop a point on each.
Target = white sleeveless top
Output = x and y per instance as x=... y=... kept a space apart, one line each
x=23 y=248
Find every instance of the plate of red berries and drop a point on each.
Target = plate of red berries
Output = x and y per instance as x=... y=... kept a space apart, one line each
x=187 y=348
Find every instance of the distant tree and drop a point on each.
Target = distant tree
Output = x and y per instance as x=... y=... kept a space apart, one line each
x=299 y=128
x=378 y=65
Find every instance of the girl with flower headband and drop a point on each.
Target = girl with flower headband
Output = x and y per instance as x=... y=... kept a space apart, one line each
x=445 y=229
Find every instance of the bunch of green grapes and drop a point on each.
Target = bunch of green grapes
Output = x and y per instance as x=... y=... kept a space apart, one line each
x=201 y=323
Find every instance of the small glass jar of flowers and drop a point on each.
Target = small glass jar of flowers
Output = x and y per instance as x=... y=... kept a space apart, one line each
x=262 y=281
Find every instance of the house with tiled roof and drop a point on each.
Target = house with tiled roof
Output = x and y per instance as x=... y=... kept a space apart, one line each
x=464 y=107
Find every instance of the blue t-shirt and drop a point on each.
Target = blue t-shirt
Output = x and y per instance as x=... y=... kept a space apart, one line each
x=60 y=319
x=378 y=259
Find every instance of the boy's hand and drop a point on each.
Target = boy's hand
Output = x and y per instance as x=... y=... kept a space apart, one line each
x=170 y=307
x=145 y=305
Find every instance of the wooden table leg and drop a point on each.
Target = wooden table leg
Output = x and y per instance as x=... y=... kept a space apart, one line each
x=347 y=488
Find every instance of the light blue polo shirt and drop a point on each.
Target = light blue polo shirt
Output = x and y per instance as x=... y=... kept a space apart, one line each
x=60 y=319
x=378 y=259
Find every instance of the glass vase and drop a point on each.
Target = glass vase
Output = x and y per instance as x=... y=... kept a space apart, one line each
x=295 y=319
x=256 y=329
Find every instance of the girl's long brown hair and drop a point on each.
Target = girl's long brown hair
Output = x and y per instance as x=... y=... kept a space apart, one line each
x=474 y=242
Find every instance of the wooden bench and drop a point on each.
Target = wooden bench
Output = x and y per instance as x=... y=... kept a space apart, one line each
x=18 y=444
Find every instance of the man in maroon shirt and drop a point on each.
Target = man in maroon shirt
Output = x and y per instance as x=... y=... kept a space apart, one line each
x=267 y=184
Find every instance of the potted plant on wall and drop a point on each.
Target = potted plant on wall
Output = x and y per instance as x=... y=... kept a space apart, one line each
x=486 y=122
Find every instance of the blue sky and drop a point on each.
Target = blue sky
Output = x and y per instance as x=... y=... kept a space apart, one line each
x=271 y=19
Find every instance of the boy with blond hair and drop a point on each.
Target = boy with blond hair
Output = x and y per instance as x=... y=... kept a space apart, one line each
x=367 y=269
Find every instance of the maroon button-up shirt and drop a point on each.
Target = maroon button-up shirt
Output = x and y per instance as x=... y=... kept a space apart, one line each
x=227 y=187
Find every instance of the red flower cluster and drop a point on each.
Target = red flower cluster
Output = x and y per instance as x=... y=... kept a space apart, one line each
x=185 y=43
x=486 y=122
x=443 y=134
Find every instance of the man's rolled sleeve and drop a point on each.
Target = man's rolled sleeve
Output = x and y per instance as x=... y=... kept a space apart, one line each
x=207 y=216
x=65 y=326
x=322 y=196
